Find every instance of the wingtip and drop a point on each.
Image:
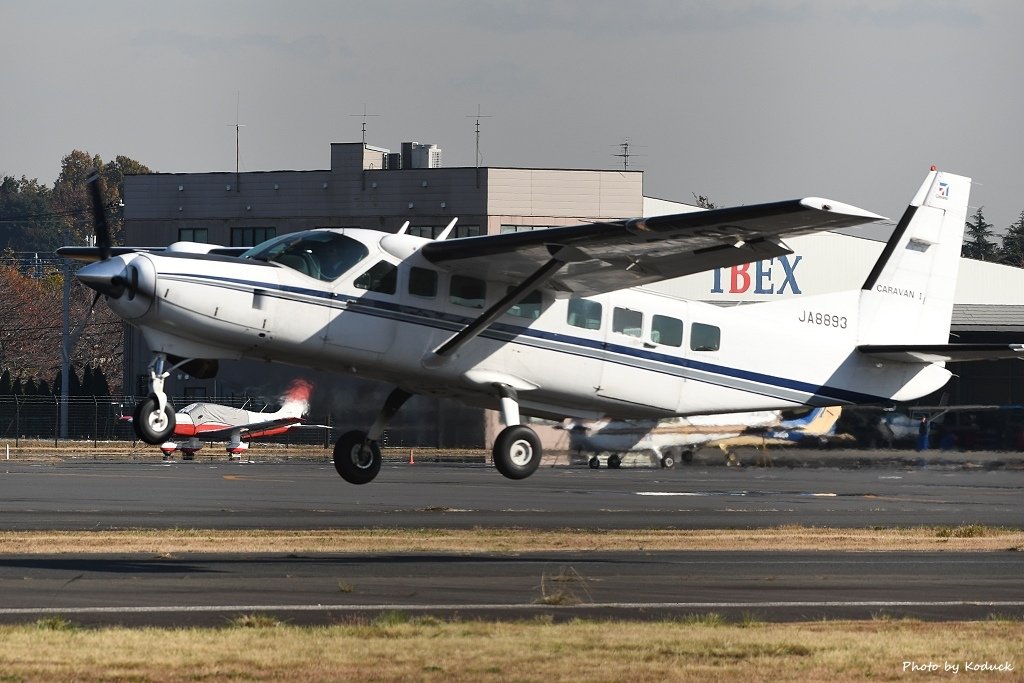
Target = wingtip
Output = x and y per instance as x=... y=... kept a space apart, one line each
x=822 y=204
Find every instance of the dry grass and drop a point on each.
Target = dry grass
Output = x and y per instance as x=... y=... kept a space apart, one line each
x=510 y=540
x=395 y=647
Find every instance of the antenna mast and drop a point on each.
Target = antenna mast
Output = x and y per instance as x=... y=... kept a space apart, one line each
x=625 y=154
x=477 y=157
x=364 y=115
x=624 y=146
x=237 y=125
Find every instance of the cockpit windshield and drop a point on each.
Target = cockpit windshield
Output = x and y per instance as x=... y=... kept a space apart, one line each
x=321 y=254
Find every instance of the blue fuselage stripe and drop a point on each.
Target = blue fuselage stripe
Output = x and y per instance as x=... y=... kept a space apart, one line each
x=504 y=332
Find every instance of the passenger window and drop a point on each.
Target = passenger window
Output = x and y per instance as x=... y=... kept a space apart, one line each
x=666 y=330
x=381 y=278
x=423 y=282
x=584 y=313
x=467 y=291
x=627 y=322
x=529 y=307
x=705 y=337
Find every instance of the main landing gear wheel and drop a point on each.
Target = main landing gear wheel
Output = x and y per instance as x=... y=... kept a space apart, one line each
x=517 y=452
x=356 y=459
x=151 y=424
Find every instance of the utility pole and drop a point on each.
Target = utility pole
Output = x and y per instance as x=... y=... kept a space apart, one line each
x=65 y=350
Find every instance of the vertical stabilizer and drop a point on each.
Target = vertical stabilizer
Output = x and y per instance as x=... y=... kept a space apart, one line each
x=908 y=297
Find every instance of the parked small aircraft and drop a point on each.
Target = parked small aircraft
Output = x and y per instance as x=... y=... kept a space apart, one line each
x=676 y=438
x=199 y=422
x=553 y=323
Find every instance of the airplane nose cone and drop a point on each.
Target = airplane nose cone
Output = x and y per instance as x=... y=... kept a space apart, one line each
x=106 y=277
x=128 y=282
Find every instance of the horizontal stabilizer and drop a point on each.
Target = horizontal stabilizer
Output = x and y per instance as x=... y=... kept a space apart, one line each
x=937 y=353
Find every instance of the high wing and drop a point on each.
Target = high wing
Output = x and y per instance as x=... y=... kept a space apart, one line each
x=600 y=257
x=92 y=254
x=248 y=431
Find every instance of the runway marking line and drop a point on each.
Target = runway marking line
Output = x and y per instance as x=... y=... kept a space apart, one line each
x=778 y=604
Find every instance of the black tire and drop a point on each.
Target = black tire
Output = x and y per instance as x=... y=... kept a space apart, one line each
x=668 y=460
x=356 y=459
x=517 y=452
x=594 y=462
x=150 y=424
x=614 y=461
x=687 y=457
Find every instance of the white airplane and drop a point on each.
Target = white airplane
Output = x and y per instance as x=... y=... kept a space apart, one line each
x=676 y=438
x=198 y=423
x=553 y=323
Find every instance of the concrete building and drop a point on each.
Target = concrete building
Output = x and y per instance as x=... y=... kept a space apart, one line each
x=371 y=187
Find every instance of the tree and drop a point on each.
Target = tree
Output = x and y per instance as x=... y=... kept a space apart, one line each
x=976 y=243
x=1012 y=251
x=30 y=327
x=703 y=202
x=27 y=222
x=71 y=197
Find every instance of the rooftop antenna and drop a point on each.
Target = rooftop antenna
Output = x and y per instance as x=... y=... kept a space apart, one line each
x=237 y=125
x=364 y=115
x=477 y=159
x=625 y=154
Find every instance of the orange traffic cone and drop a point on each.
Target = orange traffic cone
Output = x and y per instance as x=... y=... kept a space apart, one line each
x=412 y=460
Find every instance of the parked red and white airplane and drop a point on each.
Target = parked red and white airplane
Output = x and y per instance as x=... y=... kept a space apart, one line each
x=554 y=323
x=199 y=423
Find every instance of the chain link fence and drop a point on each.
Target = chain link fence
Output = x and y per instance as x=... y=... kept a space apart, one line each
x=99 y=419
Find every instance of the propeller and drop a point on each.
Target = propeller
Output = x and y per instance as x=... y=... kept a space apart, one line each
x=99 y=216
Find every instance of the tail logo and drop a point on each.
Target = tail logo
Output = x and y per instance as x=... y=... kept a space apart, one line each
x=943 y=192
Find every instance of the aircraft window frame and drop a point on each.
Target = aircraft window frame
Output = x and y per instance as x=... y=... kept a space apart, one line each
x=321 y=254
x=530 y=307
x=472 y=291
x=252 y=236
x=194 y=235
x=380 y=278
x=705 y=337
x=420 y=281
x=628 y=322
x=581 y=313
x=666 y=330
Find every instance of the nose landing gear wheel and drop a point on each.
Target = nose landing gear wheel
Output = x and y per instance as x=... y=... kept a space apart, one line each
x=356 y=459
x=151 y=424
x=517 y=452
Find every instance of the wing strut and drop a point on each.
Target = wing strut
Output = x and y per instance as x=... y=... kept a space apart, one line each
x=437 y=357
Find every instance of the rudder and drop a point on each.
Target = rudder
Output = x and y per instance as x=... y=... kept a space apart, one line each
x=908 y=296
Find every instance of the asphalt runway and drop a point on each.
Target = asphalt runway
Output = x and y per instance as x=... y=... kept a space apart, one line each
x=87 y=495
x=323 y=588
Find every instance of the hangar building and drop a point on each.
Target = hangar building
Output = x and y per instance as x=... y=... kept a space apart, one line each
x=371 y=187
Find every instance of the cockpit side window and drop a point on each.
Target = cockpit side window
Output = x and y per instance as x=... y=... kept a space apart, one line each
x=382 y=277
x=320 y=254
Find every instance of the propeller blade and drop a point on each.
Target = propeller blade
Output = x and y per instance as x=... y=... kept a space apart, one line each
x=73 y=339
x=99 y=216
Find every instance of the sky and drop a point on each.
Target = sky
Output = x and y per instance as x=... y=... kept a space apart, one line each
x=740 y=101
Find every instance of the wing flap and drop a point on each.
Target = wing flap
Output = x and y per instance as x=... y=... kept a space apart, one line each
x=938 y=353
